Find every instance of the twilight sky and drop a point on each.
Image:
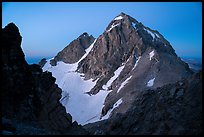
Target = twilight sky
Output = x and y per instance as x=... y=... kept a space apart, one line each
x=47 y=27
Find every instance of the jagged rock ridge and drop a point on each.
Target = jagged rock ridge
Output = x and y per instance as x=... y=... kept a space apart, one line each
x=28 y=94
x=75 y=50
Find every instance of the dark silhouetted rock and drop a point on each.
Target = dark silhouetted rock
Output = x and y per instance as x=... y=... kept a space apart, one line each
x=30 y=97
x=42 y=62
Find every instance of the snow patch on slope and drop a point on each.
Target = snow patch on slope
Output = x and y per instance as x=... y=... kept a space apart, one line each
x=116 y=74
x=118 y=18
x=112 y=26
x=124 y=83
x=87 y=51
x=150 y=83
x=151 y=54
x=152 y=34
x=68 y=67
x=137 y=60
x=157 y=35
x=110 y=111
x=134 y=25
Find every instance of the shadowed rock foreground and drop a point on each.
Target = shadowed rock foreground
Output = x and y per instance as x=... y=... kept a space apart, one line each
x=30 y=97
x=174 y=109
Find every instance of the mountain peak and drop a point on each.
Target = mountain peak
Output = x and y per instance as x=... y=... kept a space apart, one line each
x=84 y=34
x=12 y=30
x=121 y=20
x=75 y=50
x=127 y=58
x=12 y=38
x=123 y=14
x=11 y=25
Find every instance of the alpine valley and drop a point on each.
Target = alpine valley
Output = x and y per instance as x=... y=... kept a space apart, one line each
x=128 y=81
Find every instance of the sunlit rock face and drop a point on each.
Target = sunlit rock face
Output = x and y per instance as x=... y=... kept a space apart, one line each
x=126 y=59
x=75 y=50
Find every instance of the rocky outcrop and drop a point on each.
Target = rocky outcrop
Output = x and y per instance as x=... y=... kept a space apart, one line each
x=16 y=77
x=28 y=94
x=42 y=62
x=75 y=50
x=174 y=109
x=50 y=113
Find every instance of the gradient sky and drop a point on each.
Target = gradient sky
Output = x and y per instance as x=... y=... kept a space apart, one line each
x=47 y=28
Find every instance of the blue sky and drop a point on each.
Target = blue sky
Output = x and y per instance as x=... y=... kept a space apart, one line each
x=47 y=28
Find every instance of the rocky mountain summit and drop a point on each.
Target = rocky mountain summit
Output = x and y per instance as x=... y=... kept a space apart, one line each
x=141 y=50
x=29 y=97
x=75 y=50
x=126 y=58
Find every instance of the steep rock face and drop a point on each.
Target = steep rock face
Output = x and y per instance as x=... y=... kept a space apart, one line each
x=75 y=50
x=128 y=57
x=124 y=41
x=17 y=80
x=50 y=113
x=174 y=109
x=28 y=94
x=147 y=60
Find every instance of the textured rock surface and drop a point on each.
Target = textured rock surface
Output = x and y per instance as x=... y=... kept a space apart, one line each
x=122 y=45
x=75 y=50
x=28 y=94
x=50 y=112
x=147 y=57
x=162 y=111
